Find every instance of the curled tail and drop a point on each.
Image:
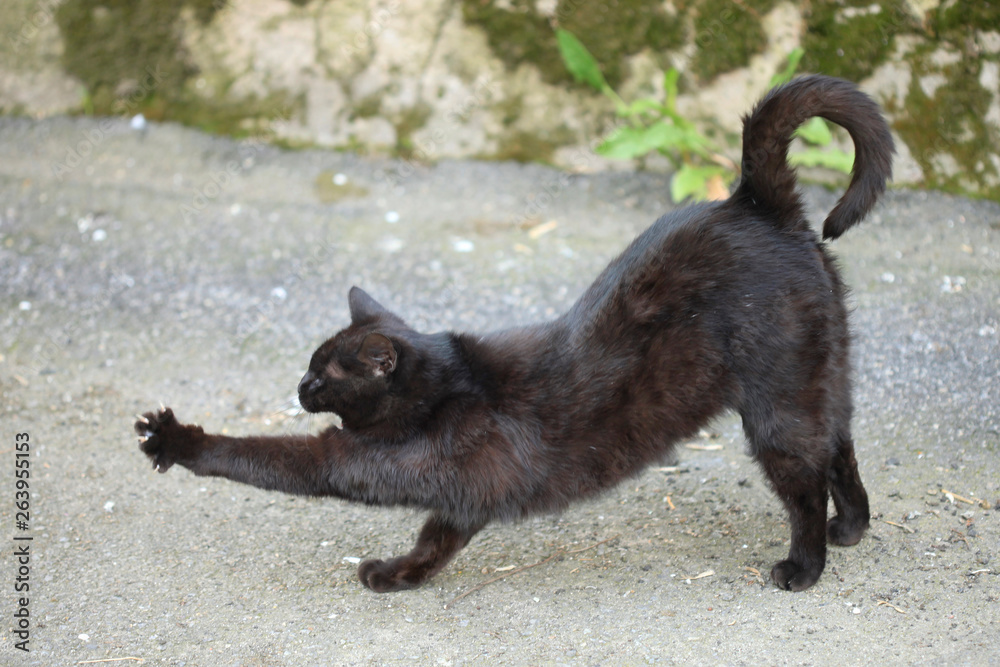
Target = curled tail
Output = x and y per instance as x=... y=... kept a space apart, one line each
x=768 y=182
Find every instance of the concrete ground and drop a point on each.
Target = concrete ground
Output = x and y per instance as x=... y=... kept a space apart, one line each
x=166 y=265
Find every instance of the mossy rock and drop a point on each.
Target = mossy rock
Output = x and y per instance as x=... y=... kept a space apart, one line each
x=530 y=147
x=948 y=128
x=850 y=39
x=727 y=34
x=954 y=20
x=612 y=31
x=130 y=57
x=116 y=47
x=408 y=122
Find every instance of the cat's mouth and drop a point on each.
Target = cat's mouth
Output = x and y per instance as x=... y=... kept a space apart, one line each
x=308 y=405
x=309 y=389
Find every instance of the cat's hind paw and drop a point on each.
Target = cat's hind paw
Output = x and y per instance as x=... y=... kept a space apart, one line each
x=845 y=533
x=791 y=576
x=384 y=576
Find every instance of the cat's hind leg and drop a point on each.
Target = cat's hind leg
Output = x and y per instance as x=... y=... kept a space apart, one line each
x=849 y=497
x=438 y=542
x=791 y=443
x=801 y=484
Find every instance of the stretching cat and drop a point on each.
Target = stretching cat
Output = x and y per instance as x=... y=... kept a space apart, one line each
x=733 y=304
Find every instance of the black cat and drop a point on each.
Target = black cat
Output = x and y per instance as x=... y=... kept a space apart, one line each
x=734 y=304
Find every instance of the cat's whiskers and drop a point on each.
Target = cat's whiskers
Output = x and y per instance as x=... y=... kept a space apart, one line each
x=293 y=416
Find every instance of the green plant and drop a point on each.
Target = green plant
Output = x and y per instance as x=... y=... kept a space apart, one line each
x=86 y=101
x=655 y=125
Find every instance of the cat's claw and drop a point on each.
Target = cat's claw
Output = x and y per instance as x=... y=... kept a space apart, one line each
x=164 y=440
x=791 y=576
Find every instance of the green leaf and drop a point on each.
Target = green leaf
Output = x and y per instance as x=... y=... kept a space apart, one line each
x=628 y=143
x=815 y=131
x=632 y=142
x=832 y=159
x=682 y=138
x=642 y=106
x=693 y=182
x=785 y=75
x=87 y=101
x=579 y=62
x=670 y=87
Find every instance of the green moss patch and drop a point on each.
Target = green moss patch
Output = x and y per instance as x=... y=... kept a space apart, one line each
x=130 y=57
x=727 y=34
x=123 y=52
x=951 y=123
x=530 y=147
x=410 y=121
x=612 y=31
x=848 y=39
x=954 y=20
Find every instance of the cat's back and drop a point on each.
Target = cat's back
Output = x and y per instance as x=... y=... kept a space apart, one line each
x=701 y=283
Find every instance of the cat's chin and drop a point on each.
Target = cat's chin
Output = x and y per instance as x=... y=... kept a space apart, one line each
x=309 y=406
x=313 y=409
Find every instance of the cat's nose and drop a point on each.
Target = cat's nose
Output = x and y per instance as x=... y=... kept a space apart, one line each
x=310 y=382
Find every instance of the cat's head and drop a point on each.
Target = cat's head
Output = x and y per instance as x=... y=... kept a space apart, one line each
x=352 y=372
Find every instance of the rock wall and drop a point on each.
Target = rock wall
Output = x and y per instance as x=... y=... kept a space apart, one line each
x=431 y=79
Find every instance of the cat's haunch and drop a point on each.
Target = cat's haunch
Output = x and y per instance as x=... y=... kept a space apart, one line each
x=728 y=305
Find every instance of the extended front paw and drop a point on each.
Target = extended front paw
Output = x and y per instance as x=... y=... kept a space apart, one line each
x=165 y=440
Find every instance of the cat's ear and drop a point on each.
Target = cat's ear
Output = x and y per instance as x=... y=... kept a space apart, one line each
x=379 y=354
x=362 y=306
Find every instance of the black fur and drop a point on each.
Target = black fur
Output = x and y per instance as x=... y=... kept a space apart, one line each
x=732 y=305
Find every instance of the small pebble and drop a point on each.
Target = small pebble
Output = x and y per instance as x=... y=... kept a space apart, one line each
x=952 y=284
x=339 y=179
x=391 y=217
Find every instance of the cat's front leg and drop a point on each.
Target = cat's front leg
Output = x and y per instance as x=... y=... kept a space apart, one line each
x=166 y=441
x=439 y=541
x=298 y=464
